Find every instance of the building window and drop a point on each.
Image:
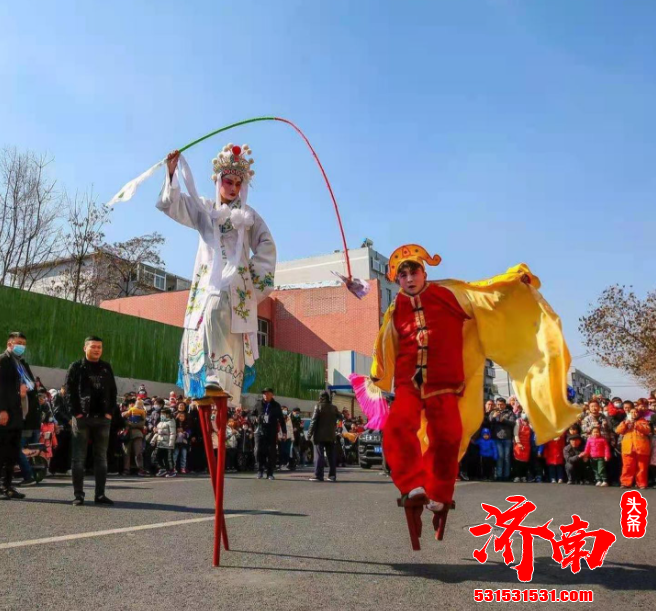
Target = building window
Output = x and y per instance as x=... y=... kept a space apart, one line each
x=262 y=332
x=389 y=296
x=159 y=281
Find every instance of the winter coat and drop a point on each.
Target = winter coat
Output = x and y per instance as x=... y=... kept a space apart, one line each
x=166 y=434
x=572 y=455
x=597 y=447
x=48 y=438
x=635 y=438
x=553 y=451
x=487 y=447
x=10 y=400
x=522 y=435
x=84 y=398
x=590 y=421
x=503 y=424
x=324 y=421
x=62 y=410
x=269 y=419
x=232 y=438
x=135 y=421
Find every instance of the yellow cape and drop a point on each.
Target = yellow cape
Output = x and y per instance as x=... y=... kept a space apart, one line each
x=512 y=324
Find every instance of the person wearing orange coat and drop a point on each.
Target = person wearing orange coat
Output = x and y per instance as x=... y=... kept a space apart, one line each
x=636 y=450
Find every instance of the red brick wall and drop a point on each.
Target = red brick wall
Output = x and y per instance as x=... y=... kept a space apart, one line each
x=317 y=321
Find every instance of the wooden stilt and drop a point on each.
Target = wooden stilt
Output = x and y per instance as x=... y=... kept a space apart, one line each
x=413 y=509
x=439 y=520
x=216 y=467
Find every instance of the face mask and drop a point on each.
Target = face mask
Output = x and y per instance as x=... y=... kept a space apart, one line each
x=616 y=404
x=523 y=416
x=285 y=413
x=18 y=349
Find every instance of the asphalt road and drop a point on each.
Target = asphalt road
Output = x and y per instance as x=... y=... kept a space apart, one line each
x=295 y=545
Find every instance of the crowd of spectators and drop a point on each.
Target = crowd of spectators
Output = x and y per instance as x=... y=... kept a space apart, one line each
x=611 y=443
x=162 y=437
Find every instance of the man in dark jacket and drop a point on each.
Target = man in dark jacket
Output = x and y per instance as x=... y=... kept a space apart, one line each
x=269 y=418
x=18 y=397
x=502 y=421
x=91 y=389
x=322 y=432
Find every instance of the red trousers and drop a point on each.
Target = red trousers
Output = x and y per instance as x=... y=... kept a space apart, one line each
x=437 y=469
x=635 y=465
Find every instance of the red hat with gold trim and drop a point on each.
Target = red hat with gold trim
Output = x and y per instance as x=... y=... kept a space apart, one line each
x=410 y=252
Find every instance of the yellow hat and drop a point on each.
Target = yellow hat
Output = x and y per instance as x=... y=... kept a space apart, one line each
x=410 y=252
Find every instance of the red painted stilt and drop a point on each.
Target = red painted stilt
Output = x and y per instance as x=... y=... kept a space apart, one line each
x=217 y=469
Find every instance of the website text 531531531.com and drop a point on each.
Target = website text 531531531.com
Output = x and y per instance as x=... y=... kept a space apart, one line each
x=533 y=595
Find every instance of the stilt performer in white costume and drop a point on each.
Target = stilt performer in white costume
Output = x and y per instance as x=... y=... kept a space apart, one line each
x=219 y=345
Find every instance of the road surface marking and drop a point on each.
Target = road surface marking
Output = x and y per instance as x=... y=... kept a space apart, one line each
x=116 y=531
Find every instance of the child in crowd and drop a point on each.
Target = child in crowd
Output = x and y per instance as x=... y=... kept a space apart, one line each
x=181 y=446
x=48 y=435
x=553 y=455
x=522 y=446
x=164 y=441
x=232 y=446
x=636 y=450
x=597 y=451
x=488 y=452
x=574 y=460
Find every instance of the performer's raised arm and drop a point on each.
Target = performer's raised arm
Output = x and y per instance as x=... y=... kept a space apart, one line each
x=183 y=208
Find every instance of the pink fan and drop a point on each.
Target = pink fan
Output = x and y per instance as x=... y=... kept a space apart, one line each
x=358 y=287
x=371 y=400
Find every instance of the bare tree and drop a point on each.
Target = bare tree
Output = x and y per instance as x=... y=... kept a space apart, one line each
x=620 y=330
x=30 y=209
x=123 y=265
x=86 y=221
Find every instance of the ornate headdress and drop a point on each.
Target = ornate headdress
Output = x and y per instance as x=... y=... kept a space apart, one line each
x=410 y=252
x=232 y=160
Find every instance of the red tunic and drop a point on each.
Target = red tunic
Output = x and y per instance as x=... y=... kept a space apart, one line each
x=429 y=327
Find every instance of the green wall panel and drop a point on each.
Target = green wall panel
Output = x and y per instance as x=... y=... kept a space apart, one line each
x=137 y=348
x=56 y=328
x=289 y=374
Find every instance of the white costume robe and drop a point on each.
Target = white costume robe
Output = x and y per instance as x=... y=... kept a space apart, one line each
x=219 y=344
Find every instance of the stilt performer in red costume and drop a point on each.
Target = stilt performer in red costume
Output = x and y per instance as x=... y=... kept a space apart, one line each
x=433 y=343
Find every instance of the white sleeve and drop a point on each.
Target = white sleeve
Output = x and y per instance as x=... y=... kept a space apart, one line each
x=182 y=207
x=262 y=264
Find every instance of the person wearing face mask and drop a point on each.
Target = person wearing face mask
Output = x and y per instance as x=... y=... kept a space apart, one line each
x=18 y=398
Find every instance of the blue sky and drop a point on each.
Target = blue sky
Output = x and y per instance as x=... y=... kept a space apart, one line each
x=492 y=132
